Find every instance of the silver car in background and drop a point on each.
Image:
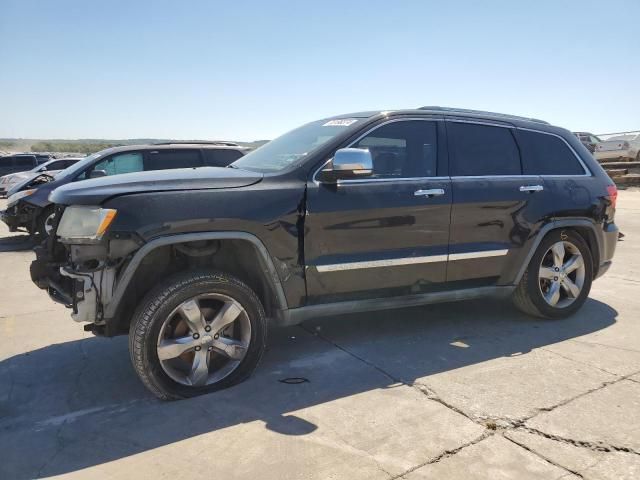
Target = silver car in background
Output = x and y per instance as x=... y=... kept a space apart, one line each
x=623 y=146
x=52 y=167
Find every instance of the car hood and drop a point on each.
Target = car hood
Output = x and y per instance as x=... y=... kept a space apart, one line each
x=97 y=190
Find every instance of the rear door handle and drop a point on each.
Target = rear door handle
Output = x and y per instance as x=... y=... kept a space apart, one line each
x=434 y=192
x=531 y=188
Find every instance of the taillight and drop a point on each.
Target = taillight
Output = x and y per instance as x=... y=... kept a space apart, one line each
x=612 y=191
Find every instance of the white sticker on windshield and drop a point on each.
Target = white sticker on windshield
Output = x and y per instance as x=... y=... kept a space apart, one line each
x=340 y=122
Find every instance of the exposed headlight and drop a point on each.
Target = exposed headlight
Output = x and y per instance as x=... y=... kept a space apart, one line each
x=13 y=199
x=85 y=224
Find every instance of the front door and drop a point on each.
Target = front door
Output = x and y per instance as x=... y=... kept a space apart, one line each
x=386 y=234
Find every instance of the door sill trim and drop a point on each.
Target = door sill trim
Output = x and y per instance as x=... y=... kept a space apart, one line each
x=295 y=316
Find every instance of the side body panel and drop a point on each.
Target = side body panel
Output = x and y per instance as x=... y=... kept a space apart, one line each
x=271 y=210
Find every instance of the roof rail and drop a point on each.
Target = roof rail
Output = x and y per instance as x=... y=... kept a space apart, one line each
x=481 y=112
x=199 y=142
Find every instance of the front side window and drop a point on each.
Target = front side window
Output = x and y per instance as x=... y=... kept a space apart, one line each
x=402 y=149
x=117 y=164
x=544 y=154
x=168 y=159
x=482 y=150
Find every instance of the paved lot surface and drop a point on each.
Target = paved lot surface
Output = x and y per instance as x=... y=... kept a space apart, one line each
x=470 y=390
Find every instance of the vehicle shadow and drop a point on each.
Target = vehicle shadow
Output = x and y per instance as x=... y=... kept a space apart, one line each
x=16 y=243
x=78 y=404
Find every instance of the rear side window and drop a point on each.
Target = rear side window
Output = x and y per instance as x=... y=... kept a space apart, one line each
x=544 y=154
x=26 y=162
x=482 y=150
x=218 y=157
x=166 y=159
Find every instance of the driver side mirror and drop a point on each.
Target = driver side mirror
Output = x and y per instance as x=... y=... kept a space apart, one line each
x=348 y=163
x=98 y=174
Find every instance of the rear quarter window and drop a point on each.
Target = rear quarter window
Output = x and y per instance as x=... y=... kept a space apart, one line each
x=544 y=154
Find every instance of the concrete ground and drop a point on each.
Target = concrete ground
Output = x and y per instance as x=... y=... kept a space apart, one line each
x=469 y=390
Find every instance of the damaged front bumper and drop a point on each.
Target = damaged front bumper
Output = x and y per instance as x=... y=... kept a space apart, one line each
x=20 y=215
x=84 y=291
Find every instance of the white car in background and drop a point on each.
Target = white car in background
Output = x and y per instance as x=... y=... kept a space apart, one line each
x=619 y=146
x=52 y=167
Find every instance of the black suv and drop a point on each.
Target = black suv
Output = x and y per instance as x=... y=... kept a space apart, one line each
x=357 y=212
x=29 y=206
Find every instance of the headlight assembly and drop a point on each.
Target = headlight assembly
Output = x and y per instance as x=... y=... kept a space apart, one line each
x=13 y=199
x=85 y=224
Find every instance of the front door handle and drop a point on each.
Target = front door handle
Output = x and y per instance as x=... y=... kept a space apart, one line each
x=531 y=188
x=434 y=192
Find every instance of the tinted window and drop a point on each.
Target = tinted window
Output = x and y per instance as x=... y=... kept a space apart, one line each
x=6 y=161
x=59 y=165
x=544 y=154
x=220 y=157
x=402 y=149
x=482 y=150
x=116 y=164
x=165 y=159
x=26 y=162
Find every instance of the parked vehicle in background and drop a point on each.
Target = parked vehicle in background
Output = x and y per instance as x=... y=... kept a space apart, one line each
x=619 y=146
x=365 y=211
x=52 y=167
x=18 y=162
x=29 y=207
x=589 y=140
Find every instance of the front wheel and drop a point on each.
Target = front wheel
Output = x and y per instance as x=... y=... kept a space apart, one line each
x=197 y=333
x=558 y=278
x=44 y=224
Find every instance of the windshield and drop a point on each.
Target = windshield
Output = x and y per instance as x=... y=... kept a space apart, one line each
x=79 y=166
x=278 y=154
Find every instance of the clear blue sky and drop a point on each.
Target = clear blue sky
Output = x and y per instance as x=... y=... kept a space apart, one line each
x=253 y=69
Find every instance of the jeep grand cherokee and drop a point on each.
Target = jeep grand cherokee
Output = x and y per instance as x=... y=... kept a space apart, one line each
x=357 y=212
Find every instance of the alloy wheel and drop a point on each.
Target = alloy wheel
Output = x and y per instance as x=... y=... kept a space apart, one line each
x=561 y=275
x=48 y=224
x=204 y=339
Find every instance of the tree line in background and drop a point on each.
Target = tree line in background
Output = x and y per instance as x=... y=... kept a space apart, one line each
x=86 y=148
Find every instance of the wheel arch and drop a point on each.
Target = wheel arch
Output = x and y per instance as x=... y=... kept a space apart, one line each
x=267 y=282
x=585 y=228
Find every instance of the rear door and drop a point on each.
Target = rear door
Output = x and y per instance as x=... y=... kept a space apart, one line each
x=495 y=207
x=386 y=234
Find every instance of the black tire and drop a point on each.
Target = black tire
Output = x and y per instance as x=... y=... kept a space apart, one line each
x=528 y=297
x=41 y=229
x=158 y=305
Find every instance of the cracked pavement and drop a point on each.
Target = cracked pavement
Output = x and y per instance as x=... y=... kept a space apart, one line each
x=471 y=390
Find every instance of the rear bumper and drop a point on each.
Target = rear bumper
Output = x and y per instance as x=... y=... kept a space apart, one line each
x=607 y=248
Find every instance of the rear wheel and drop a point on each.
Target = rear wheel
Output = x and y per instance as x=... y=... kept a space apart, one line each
x=558 y=278
x=197 y=333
